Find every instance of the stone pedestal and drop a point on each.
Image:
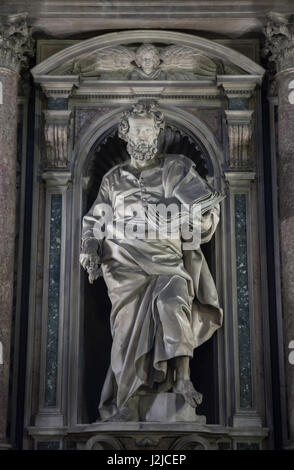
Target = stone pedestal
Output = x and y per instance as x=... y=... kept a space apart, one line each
x=15 y=35
x=169 y=408
x=149 y=436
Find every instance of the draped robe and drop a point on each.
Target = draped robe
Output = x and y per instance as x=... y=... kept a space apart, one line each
x=164 y=300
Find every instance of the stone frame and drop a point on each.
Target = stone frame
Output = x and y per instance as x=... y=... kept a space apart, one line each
x=172 y=99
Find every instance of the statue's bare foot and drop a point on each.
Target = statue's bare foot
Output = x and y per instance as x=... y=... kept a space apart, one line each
x=124 y=414
x=186 y=389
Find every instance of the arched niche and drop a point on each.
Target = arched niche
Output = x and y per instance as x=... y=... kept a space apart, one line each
x=190 y=126
x=182 y=132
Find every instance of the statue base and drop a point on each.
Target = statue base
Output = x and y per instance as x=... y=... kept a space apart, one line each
x=168 y=408
x=173 y=436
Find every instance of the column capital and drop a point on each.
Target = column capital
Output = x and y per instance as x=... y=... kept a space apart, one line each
x=239 y=116
x=16 y=43
x=279 y=42
x=239 y=179
x=56 y=179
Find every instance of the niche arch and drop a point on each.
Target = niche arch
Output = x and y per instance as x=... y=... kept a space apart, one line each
x=189 y=124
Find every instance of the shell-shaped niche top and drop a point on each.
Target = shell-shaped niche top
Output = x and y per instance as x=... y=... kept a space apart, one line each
x=146 y=61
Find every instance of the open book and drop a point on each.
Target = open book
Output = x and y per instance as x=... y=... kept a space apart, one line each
x=210 y=201
x=203 y=197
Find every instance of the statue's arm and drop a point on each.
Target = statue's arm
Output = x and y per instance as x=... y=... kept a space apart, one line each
x=91 y=245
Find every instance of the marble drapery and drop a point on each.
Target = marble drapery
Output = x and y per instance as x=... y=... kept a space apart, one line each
x=164 y=300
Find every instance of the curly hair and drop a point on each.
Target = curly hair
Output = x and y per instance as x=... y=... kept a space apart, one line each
x=148 y=110
x=147 y=48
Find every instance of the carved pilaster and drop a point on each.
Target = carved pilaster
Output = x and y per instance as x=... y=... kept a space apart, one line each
x=57 y=128
x=52 y=405
x=16 y=43
x=240 y=130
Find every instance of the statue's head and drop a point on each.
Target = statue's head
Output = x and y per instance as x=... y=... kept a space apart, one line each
x=140 y=127
x=147 y=57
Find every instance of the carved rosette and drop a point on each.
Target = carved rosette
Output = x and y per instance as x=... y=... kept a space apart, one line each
x=57 y=127
x=279 y=43
x=16 y=43
x=240 y=130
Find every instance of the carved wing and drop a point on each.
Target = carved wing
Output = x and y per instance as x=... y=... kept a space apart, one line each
x=184 y=59
x=110 y=60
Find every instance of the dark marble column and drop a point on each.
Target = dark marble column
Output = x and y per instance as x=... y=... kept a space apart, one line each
x=15 y=45
x=280 y=49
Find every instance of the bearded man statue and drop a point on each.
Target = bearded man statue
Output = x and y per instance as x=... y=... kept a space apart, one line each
x=164 y=300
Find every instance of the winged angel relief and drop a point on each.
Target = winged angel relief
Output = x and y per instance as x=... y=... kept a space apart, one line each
x=147 y=62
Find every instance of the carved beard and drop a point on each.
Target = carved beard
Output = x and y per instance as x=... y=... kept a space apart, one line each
x=142 y=151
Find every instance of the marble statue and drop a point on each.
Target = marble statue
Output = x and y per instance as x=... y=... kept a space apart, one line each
x=164 y=300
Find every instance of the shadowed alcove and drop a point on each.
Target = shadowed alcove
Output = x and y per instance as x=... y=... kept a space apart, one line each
x=108 y=152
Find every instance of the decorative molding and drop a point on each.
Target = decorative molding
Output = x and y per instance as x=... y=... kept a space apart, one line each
x=16 y=43
x=146 y=442
x=191 y=442
x=127 y=90
x=239 y=86
x=56 y=178
x=249 y=47
x=91 y=97
x=144 y=436
x=246 y=418
x=57 y=87
x=240 y=130
x=103 y=442
x=94 y=46
x=150 y=87
x=56 y=138
x=219 y=17
x=239 y=178
x=279 y=43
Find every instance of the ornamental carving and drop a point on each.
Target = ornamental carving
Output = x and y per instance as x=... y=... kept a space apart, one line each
x=16 y=43
x=56 y=138
x=279 y=33
x=240 y=130
x=146 y=62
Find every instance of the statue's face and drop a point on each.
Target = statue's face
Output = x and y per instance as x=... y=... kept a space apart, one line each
x=148 y=62
x=142 y=129
x=142 y=138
